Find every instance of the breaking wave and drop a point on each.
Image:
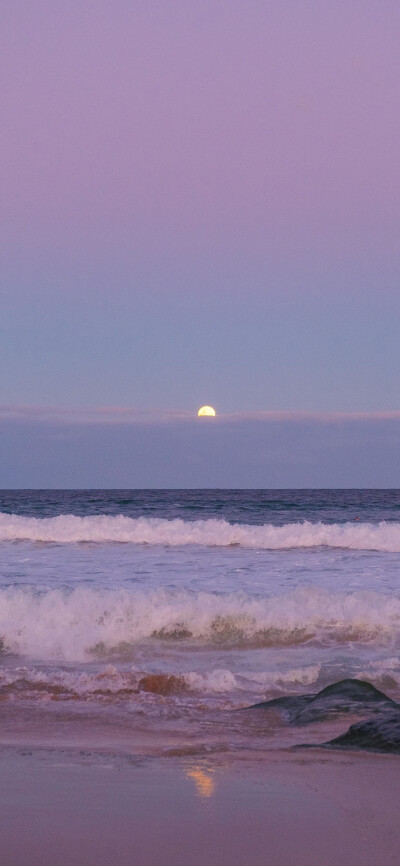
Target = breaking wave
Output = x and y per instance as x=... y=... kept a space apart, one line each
x=89 y=623
x=68 y=528
x=111 y=683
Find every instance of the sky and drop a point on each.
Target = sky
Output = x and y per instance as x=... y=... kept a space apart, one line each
x=199 y=204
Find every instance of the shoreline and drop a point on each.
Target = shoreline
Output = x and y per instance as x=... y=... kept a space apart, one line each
x=90 y=807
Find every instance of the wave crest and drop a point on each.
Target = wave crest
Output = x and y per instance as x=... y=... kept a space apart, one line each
x=68 y=528
x=111 y=684
x=88 y=623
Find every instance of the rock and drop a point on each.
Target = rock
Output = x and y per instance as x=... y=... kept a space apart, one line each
x=380 y=734
x=346 y=696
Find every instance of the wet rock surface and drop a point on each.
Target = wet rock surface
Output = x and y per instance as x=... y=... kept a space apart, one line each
x=347 y=696
x=380 y=734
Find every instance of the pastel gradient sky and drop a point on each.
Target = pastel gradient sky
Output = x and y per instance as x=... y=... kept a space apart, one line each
x=200 y=204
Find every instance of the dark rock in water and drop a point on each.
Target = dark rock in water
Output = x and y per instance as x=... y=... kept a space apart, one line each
x=346 y=696
x=380 y=734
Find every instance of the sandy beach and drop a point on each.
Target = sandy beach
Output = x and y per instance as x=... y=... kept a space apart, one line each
x=80 y=807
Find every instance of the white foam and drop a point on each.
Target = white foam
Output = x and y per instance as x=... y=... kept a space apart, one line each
x=84 y=684
x=217 y=681
x=221 y=680
x=111 y=682
x=68 y=528
x=74 y=625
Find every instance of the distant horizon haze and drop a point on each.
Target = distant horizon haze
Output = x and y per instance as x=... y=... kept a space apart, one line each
x=43 y=447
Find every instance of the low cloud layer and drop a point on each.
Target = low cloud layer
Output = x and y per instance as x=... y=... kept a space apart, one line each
x=127 y=448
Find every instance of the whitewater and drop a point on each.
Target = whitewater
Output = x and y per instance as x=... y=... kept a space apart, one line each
x=68 y=528
x=179 y=604
x=77 y=624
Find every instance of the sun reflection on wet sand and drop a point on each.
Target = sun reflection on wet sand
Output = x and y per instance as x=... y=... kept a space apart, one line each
x=205 y=784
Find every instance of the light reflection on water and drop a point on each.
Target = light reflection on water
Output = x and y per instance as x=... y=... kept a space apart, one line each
x=203 y=779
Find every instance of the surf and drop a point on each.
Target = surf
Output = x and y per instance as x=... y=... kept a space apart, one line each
x=100 y=529
x=88 y=623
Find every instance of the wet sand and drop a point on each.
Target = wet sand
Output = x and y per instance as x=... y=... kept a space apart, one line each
x=80 y=807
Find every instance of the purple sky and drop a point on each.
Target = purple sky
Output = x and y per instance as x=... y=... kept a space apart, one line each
x=260 y=129
x=200 y=204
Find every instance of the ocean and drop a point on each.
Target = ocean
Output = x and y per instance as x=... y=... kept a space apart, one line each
x=153 y=616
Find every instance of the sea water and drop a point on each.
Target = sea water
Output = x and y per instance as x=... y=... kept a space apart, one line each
x=166 y=611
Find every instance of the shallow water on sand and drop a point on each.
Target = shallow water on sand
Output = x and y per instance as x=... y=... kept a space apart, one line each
x=96 y=808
